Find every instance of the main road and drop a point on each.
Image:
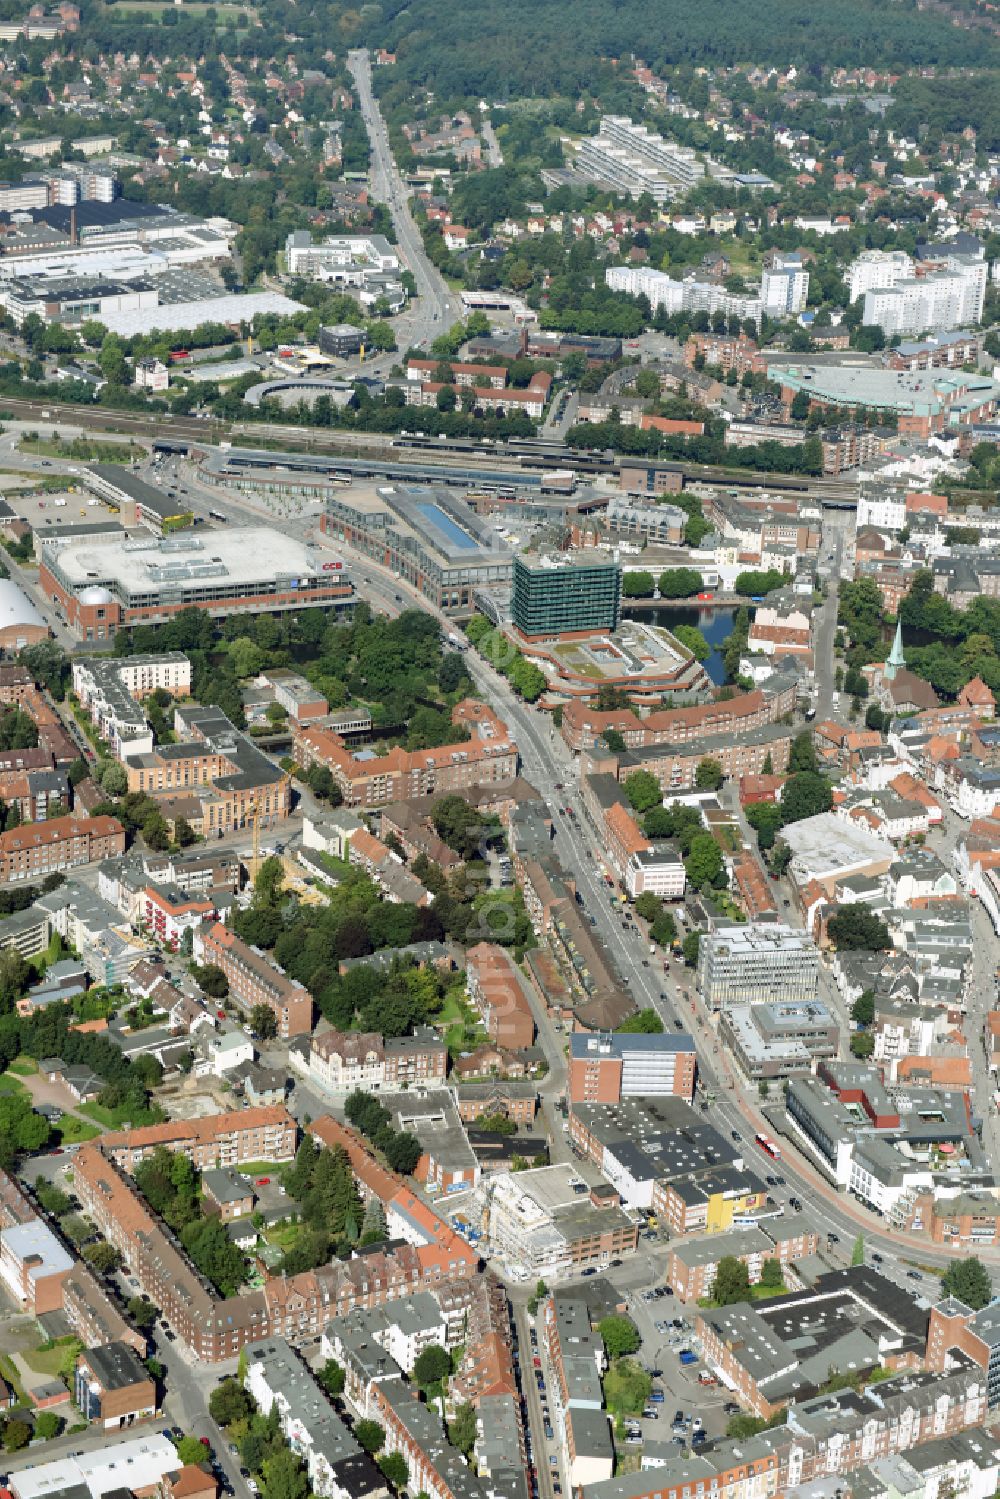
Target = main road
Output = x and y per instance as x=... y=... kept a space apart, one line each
x=437 y=307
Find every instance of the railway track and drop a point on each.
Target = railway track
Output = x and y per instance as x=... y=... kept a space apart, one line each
x=517 y=456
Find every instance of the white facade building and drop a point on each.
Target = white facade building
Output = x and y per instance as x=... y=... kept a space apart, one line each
x=688 y=295
x=784 y=287
x=875 y=269
x=935 y=303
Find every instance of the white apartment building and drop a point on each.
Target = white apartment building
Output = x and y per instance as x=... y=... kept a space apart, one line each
x=635 y=160
x=883 y=509
x=361 y=252
x=784 y=287
x=742 y=965
x=111 y=689
x=875 y=269
x=688 y=295
x=935 y=303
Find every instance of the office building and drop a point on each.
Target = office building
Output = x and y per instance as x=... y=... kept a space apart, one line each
x=756 y=963
x=100 y=584
x=565 y=594
x=774 y=1040
x=606 y=1068
x=340 y=340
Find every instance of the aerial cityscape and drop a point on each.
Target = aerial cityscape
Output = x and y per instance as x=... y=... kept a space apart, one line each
x=499 y=750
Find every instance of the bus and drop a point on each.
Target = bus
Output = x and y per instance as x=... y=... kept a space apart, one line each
x=768 y=1147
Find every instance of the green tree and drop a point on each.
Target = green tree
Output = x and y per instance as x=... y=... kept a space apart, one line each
x=432 y=1366
x=212 y=981
x=143 y=1312
x=638 y=585
x=101 y=1257
x=643 y=790
x=862 y=1045
x=648 y=906
x=284 y=1476
x=690 y=947
x=680 y=583
x=856 y=928
x=370 y=1435
x=703 y=863
x=462 y=1429
x=47 y=1425
x=332 y=1377
x=190 y=1451
x=396 y=1469
x=263 y=1022
x=732 y=1281
x=802 y=755
x=619 y=1335
x=229 y=1402
x=16 y=1435
x=805 y=794
x=643 y=1023
x=626 y=1388
x=968 y=1281
x=863 y=1008
x=709 y=775
x=771 y=1275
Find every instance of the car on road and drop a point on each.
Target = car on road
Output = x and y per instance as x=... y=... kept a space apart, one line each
x=263 y=1181
x=914 y=1275
x=876 y=1257
x=832 y=1238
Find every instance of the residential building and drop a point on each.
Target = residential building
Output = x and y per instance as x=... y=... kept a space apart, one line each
x=343 y=1061
x=254 y=979
x=215 y=1140
x=370 y=780
x=33 y=1266
x=61 y=843
x=784 y=288
x=692 y=1264
x=496 y=991
x=111 y=691
x=543 y=1226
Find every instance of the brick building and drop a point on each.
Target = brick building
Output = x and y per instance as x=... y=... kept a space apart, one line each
x=28 y=853
x=112 y=1388
x=496 y=991
x=268 y=1133
x=254 y=980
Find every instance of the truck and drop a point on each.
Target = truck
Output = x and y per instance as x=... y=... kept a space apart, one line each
x=687 y=1357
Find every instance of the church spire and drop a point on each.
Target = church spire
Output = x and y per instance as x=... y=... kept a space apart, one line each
x=896 y=657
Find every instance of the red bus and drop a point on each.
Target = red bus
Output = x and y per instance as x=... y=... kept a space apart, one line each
x=769 y=1148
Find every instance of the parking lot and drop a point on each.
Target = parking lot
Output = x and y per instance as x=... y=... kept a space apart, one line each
x=663 y=1341
x=50 y=513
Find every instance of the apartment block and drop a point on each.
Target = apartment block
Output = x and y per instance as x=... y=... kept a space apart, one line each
x=112 y=1387
x=33 y=1266
x=370 y=780
x=254 y=980
x=111 y=691
x=496 y=991
x=692 y=1264
x=341 y=1061
x=61 y=843
x=268 y=1133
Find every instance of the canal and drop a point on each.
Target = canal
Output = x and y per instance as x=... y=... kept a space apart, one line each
x=715 y=624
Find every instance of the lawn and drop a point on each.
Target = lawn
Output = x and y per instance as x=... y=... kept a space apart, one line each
x=24 y=1066
x=8 y=1369
x=460 y=1023
x=10 y=1085
x=51 y=1358
x=74 y=1131
x=118 y=1118
x=262 y=1168
x=284 y=1236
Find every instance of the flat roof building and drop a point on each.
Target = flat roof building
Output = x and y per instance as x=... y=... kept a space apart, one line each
x=103 y=584
x=565 y=594
x=756 y=963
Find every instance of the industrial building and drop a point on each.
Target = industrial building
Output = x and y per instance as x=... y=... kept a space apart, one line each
x=101 y=584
